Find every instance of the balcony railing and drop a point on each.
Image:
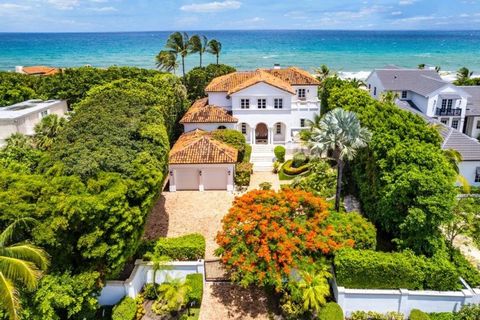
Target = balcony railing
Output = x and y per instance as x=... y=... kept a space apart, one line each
x=448 y=112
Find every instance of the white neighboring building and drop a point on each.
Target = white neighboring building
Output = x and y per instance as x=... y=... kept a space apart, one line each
x=22 y=117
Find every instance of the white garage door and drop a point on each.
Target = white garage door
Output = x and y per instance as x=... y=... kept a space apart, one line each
x=186 y=179
x=215 y=178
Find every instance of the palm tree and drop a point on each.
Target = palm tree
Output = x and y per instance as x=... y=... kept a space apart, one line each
x=315 y=288
x=214 y=47
x=463 y=74
x=341 y=133
x=179 y=44
x=166 y=61
x=47 y=130
x=389 y=97
x=158 y=263
x=17 y=140
x=20 y=263
x=454 y=158
x=421 y=66
x=198 y=44
x=322 y=73
x=357 y=83
x=173 y=295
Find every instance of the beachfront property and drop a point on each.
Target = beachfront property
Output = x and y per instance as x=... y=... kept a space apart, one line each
x=424 y=89
x=37 y=70
x=22 y=117
x=268 y=106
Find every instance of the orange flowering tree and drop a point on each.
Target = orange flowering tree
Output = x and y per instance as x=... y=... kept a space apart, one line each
x=267 y=234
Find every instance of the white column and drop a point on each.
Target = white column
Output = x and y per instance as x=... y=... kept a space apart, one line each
x=252 y=134
x=270 y=135
x=200 y=182
x=172 y=180
x=230 y=173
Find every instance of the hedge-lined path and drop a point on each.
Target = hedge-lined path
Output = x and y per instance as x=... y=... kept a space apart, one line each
x=259 y=177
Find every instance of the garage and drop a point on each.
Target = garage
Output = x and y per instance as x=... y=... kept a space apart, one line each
x=199 y=162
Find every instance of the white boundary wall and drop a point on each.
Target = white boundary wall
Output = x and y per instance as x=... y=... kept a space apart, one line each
x=403 y=300
x=114 y=291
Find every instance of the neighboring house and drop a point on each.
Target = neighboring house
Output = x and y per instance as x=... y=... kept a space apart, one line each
x=472 y=117
x=269 y=106
x=425 y=90
x=22 y=117
x=37 y=70
x=469 y=148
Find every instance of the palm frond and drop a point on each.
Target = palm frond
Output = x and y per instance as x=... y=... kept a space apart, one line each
x=9 y=297
x=27 y=252
x=21 y=271
x=8 y=233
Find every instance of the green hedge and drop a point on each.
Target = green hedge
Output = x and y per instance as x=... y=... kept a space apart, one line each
x=441 y=316
x=299 y=159
x=195 y=281
x=125 y=310
x=279 y=152
x=372 y=315
x=248 y=153
x=367 y=269
x=353 y=226
x=233 y=138
x=291 y=171
x=243 y=172
x=416 y=314
x=331 y=311
x=184 y=248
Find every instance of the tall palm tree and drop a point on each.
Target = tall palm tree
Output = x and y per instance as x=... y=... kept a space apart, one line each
x=166 y=61
x=198 y=44
x=322 y=73
x=463 y=74
x=215 y=48
x=315 y=288
x=179 y=44
x=341 y=133
x=20 y=263
x=47 y=130
x=389 y=97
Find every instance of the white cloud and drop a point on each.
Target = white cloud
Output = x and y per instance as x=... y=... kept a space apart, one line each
x=104 y=9
x=7 y=9
x=64 y=4
x=406 y=2
x=212 y=6
x=396 y=13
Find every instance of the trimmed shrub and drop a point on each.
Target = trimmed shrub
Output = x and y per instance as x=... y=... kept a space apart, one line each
x=321 y=181
x=331 y=311
x=416 y=314
x=248 y=153
x=372 y=315
x=149 y=291
x=265 y=186
x=468 y=312
x=292 y=171
x=233 y=138
x=280 y=153
x=441 y=316
x=125 y=309
x=353 y=226
x=243 y=171
x=299 y=159
x=184 y=248
x=195 y=281
x=464 y=268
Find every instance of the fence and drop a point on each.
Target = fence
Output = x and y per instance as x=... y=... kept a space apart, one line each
x=114 y=291
x=403 y=300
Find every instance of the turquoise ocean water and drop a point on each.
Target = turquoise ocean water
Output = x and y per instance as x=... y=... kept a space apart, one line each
x=340 y=50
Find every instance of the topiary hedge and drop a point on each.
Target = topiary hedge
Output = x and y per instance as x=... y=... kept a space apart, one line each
x=279 y=152
x=331 y=311
x=367 y=269
x=125 y=309
x=184 y=248
x=292 y=171
x=195 y=282
x=299 y=159
x=416 y=314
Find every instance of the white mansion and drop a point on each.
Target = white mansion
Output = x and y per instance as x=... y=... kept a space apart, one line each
x=269 y=106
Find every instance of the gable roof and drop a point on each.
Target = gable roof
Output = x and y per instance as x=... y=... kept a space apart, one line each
x=40 y=70
x=198 y=147
x=473 y=104
x=202 y=112
x=420 y=81
x=282 y=79
x=468 y=147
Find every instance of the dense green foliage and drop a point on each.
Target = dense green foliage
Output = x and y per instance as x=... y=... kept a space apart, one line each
x=466 y=270
x=416 y=314
x=289 y=168
x=331 y=311
x=243 y=172
x=195 y=282
x=280 y=153
x=197 y=79
x=441 y=316
x=329 y=84
x=299 y=159
x=125 y=309
x=321 y=181
x=184 y=248
x=468 y=312
x=368 y=269
x=372 y=315
x=233 y=138
x=353 y=226
x=404 y=181
x=15 y=87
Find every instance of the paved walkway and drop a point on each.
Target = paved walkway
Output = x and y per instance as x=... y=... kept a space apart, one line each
x=259 y=177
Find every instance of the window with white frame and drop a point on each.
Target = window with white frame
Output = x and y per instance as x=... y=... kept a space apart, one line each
x=245 y=103
x=477 y=174
x=278 y=128
x=262 y=103
x=244 y=128
x=278 y=103
x=444 y=120
x=404 y=94
x=455 y=123
x=449 y=104
x=301 y=94
x=302 y=123
x=44 y=113
x=444 y=104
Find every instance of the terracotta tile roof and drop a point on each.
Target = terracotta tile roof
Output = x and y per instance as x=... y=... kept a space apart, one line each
x=280 y=78
x=40 y=70
x=198 y=147
x=202 y=112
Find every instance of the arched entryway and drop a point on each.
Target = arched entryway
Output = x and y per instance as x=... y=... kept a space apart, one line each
x=261 y=134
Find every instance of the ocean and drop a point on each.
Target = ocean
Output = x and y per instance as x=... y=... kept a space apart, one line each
x=343 y=51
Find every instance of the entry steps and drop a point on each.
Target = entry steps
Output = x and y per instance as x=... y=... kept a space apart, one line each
x=262 y=157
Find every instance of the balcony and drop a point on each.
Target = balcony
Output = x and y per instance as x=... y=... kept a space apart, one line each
x=448 y=112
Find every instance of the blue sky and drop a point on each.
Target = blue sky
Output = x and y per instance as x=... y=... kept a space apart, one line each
x=143 y=15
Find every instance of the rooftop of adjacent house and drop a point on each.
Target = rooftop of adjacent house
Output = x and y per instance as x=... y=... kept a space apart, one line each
x=40 y=70
x=468 y=147
x=473 y=105
x=202 y=112
x=24 y=108
x=199 y=147
x=283 y=79
x=421 y=81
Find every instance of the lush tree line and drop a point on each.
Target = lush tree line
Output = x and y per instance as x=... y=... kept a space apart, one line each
x=91 y=188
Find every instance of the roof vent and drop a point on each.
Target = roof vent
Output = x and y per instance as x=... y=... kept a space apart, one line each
x=276 y=66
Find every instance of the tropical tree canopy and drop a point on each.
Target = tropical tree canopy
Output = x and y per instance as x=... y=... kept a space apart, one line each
x=47 y=130
x=166 y=61
x=215 y=48
x=178 y=43
x=198 y=44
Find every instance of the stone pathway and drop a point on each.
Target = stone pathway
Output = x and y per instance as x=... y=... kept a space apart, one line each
x=468 y=248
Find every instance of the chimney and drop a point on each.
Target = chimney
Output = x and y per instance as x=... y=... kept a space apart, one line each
x=276 y=66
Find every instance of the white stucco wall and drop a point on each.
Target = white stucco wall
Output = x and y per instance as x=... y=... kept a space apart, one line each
x=468 y=170
x=471 y=129
x=219 y=99
x=207 y=126
x=374 y=82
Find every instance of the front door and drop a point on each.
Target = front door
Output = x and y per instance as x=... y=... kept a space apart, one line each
x=261 y=134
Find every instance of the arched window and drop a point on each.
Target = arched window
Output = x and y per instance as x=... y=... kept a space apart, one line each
x=222 y=128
